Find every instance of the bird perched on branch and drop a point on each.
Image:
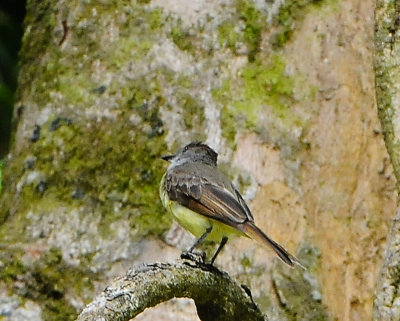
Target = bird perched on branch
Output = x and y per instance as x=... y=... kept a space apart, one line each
x=205 y=202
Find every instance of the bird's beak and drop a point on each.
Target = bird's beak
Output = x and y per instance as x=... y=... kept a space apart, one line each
x=167 y=157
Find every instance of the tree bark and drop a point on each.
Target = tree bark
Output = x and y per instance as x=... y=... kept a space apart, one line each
x=387 y=80
x=387 y=77
x=282 y=90
x=217 y=296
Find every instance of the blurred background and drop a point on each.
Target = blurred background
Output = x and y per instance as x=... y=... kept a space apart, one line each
x=11 y=27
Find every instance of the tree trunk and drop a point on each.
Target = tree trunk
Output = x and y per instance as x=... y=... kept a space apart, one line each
x=283 y=90
x=387 y=80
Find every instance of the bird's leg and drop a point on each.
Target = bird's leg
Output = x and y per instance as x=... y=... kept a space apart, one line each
x=221 y=245
x=189 y=254
x=200 y=239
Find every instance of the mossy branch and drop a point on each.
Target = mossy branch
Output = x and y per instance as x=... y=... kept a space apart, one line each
x=387 y=76
x=387 y=82
x=216 y=295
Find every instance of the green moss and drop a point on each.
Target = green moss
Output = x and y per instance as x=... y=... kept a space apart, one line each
x=35 y=44
x=231 y=35
x=12 y=267
x=228 y=36
x=229 y=126
x=155 y=19
x=50 y=279
x=128 y=168
x=47 y=281
x=124 y=167
x=289 y=13
x=73 y=77
x=181 y=37
x=253 y=20
x=193 y=112
x=263 y=84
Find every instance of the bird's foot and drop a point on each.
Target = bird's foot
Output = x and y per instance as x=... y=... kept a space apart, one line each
x=197 y=257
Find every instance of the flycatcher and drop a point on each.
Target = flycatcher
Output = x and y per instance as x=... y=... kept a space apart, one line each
x=205 y=202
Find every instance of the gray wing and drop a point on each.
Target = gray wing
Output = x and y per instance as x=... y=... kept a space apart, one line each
x=197 y=192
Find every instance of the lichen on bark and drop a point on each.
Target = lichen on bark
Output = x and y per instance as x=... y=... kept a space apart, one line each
x=387 y=80
x=105 y=89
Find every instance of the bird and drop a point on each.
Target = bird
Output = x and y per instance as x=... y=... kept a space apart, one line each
x=206 y=203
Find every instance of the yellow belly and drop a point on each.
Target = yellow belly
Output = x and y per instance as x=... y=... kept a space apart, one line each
x=194 y=222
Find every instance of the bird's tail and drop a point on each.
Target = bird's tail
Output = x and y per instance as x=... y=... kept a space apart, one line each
x=251 y=230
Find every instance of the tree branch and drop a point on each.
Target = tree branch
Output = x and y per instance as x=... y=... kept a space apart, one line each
x=387 y=76
x=387 y=83
x=388 y=286
x=217 y=296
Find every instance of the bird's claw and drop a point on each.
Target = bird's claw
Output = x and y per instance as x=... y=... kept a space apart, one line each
x=197 y=257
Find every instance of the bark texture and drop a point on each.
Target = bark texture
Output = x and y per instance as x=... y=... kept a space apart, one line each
x=216 y=295
x=283 y=90
x=387 y=80
x=386 y=293
x=387 y=77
